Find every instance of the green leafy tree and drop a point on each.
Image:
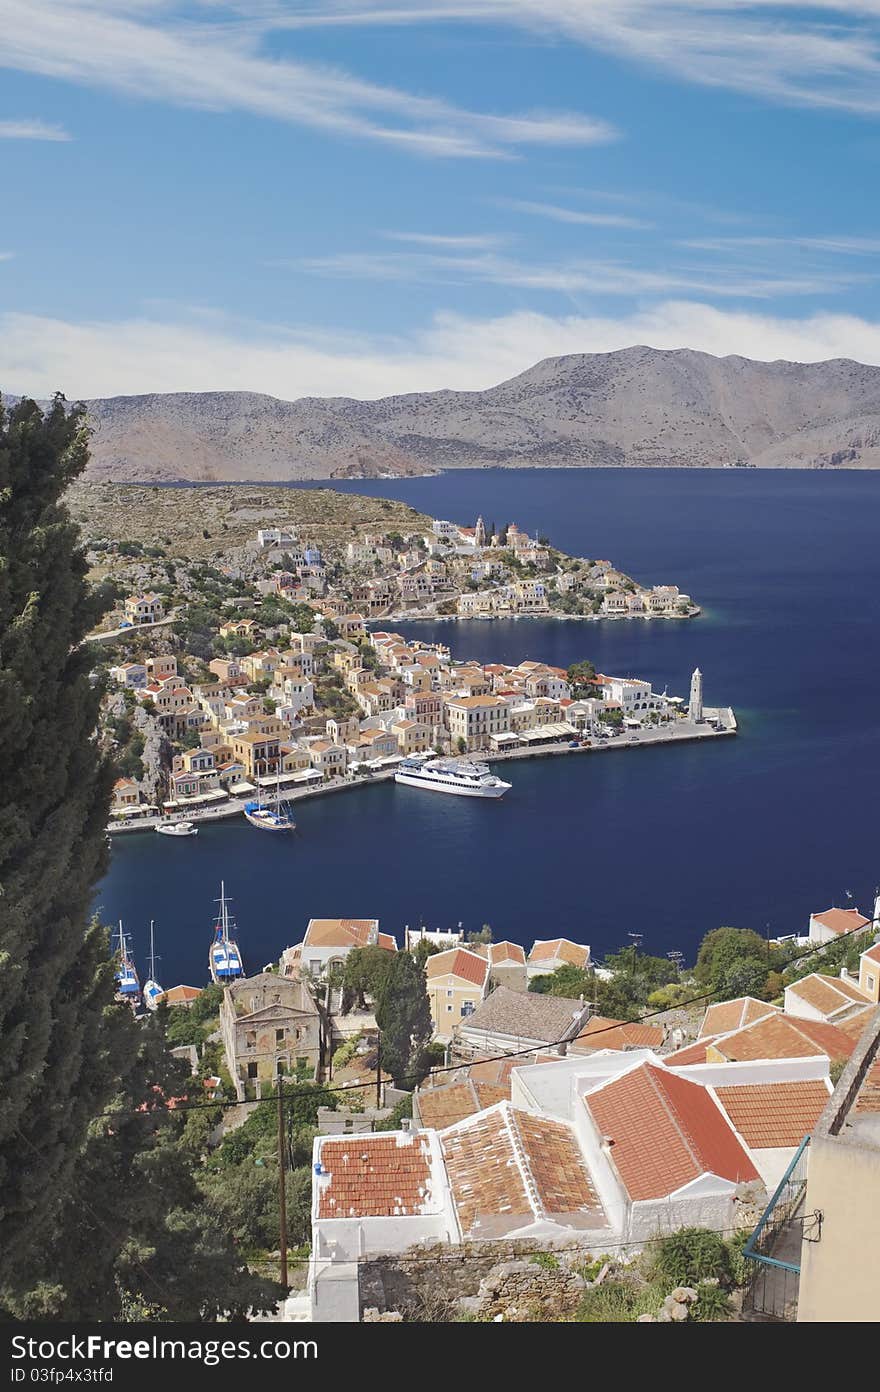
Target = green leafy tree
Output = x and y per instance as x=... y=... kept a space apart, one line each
x=365 y=971
x=56 y=979
x=403 y=1014
x=723 y=948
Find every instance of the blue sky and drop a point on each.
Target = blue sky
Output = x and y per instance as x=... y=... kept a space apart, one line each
x=311 y=197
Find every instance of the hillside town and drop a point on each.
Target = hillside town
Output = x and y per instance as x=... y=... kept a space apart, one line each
x=548 y=1127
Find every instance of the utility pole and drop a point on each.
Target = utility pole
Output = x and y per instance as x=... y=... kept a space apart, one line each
x=378 y=1071
x=282 y=1194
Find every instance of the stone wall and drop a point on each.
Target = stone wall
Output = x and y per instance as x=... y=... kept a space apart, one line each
x=436 y=1283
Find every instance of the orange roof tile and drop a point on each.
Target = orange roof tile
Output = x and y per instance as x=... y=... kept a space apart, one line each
x=339 y=932
x=458 y=961
x=486 y=1157
x=616 y=1034
x=665 y=1131
x=561 y=949
x=784 y=1036
x=375 y=1177
x=690 y=1053
x=840 y=921
x=506 y=952
x=873 y=953
x=769 y=1115
x=827 y=994
x=734 y=1014
x=444 y=1106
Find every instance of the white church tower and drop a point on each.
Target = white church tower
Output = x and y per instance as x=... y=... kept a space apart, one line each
x=480 y=532
x=695 y=705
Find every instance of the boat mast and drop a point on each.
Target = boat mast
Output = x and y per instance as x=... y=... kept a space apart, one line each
x=152 y=955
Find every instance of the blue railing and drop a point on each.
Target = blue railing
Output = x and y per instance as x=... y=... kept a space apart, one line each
x=786 y=1197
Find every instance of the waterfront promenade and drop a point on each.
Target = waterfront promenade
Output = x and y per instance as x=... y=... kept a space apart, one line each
x=680 y=732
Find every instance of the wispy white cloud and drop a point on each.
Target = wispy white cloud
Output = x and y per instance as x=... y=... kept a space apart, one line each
x=27 y=129
x=224 y=62
x=465 y=242
x=847 y=246
x=571 y=276
x=556 y=213
x=823 y=54
x=103 y=358
x=6 y=255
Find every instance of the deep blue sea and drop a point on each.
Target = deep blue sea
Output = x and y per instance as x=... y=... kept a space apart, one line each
x=756 y=831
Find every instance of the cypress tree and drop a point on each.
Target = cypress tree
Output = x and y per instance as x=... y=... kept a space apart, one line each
x=403 y=1014
x=57 y=1022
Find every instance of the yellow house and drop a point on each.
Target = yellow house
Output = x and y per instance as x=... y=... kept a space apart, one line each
x=474 y=718
x=412 y=736
x=258 y=754
x=869 y=973
x=456 y=981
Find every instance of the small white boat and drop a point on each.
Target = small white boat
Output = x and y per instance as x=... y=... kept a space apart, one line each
x=460 y=776
x=177 y=829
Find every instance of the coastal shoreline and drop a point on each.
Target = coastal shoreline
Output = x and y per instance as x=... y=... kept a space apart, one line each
x=642 y=739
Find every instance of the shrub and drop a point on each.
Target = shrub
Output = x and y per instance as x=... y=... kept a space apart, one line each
x=711 y=1305
x=692 y=1255
x=546 y=1260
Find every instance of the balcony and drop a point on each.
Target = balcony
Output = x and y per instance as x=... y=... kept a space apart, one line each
x=774 y=1249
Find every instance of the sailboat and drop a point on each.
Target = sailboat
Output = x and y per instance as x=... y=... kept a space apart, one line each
x=152 y=990
x=277 y=818
x=128 y=987
x=224 y=958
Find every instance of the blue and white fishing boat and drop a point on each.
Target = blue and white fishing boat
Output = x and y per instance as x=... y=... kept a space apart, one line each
x=224 y=959
x=153 y=992
x=276 y=818
x=128 y=987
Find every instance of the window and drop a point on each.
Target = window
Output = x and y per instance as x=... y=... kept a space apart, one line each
x=252 y=1070
x=871 y=983
x=251 y=1039
x=279 y=1036
x=467 y=1008
x=449 y=1009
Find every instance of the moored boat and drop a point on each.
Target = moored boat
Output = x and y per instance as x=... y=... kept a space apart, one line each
x=153 y=992
x=128 y=986
x=460 y=776
x=278 y=817
x=224 y=958
x=177 y=829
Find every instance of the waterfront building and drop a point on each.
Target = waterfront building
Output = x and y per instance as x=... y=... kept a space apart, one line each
x=474 y=719
x=328 y=941
x=547 y=955
x=831 y=924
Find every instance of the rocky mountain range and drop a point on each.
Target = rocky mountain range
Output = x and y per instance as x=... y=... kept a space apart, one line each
x=637 y=407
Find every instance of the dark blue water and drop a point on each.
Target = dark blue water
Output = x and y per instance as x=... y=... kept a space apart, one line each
x=754 y=831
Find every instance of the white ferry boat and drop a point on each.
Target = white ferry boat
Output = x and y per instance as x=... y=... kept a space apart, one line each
x=460 y=776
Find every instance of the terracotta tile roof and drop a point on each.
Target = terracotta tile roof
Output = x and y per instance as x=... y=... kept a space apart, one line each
x=506 y=952
x=615 y=1034
x=873 y=953
x=375 y=1177
x=664 y=1132
x=827 y=994
x=180 y=995
x=774 y=1114
x=459 y=962
x=690 y=1053
x=339 y=932
x=562 y=949
x=556 y=1164
x=731 y=1015
x=444 y=1106
x=854 y=1024
x=841 y=920
x=784 y=1036
x=506 y=1165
